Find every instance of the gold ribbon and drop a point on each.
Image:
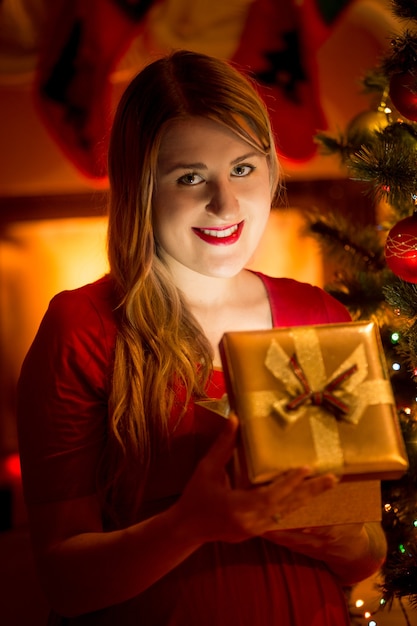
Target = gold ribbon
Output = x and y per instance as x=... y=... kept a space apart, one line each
x=354 y=391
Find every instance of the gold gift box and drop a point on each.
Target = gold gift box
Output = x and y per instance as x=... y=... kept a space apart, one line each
x=313 y=395
x=348 y=502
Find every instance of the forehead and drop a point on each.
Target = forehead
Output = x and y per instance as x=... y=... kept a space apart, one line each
x=197 y=133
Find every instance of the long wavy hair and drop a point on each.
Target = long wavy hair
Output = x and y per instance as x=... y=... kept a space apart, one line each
x=160 y=346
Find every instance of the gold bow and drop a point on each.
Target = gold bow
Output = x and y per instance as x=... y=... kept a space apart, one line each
x=354 y=392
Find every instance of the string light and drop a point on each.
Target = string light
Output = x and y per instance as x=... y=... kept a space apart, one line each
x=396 y=366
x=395 y=337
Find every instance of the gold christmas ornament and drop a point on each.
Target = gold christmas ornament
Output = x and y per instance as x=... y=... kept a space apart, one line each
x=366 y=123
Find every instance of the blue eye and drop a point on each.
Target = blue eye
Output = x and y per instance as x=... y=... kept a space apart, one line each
x=242 y=170
x=190 y=179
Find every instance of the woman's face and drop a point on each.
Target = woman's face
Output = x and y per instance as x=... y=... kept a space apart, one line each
x=212 y=199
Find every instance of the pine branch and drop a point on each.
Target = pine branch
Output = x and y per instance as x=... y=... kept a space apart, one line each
x=390 y=167
x=360 y=248
x=403 y=54
x=375 y=81
x=404 y=9
x=399 y=515
x=332 y=145
x=362 y=296
x=402 y=296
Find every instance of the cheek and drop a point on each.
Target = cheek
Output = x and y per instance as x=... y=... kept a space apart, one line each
x=172 y=204
x=262 y=223
x=163 y=208
x=161 y=218
x=169 y=220
x=259 y=188
x=261 y=202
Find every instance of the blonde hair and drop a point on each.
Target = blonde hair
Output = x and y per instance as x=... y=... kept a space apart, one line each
x=160 y=346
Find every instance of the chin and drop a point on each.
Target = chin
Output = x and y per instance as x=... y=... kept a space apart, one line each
x=223 y=272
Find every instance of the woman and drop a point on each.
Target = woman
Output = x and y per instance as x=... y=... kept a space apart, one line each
x=130 y=524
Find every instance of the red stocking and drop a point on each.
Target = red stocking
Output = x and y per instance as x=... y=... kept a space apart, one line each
x=72 y=89
x=278 y=47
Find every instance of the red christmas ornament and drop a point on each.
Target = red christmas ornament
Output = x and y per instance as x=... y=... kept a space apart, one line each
x=403 y=94
x=401 y=249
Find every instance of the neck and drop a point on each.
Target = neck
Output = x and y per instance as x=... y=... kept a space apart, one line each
x=206 y=292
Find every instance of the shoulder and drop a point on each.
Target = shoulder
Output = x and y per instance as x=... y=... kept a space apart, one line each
x=91 y=305
x=294 y=303
x=73 y=349
x=98 y=296
x=78 y=322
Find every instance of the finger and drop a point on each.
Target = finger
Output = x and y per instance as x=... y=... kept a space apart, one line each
x=286 y=482
x=308 y=490
x=314 y=487
x=321 y=483
x=296 y=492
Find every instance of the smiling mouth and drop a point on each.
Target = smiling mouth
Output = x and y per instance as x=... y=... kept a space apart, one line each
x=220 y=236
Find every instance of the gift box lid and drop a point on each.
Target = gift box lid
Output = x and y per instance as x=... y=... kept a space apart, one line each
x=317 y=395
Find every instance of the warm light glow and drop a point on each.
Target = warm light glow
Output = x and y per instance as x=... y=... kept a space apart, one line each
x=367 y=614
x=37 y=259
x=359 y=603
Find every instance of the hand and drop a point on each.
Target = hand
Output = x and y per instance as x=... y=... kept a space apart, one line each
x=212 y=511
x=318 y=542
x=352 y=551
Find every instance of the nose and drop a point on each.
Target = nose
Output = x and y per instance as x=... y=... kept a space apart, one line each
x=222 y=200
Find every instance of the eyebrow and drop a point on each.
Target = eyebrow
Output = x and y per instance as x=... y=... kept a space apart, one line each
x=202 y=166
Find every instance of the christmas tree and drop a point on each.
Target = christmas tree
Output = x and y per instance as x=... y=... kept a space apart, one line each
x=376 y=266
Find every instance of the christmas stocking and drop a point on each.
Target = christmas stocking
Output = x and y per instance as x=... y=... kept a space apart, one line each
x=278 y=47
x=72 y=89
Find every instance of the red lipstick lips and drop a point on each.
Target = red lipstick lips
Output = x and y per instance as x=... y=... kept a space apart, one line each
x=224 y=236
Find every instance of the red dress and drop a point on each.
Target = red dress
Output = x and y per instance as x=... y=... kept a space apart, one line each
x=62 y=413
